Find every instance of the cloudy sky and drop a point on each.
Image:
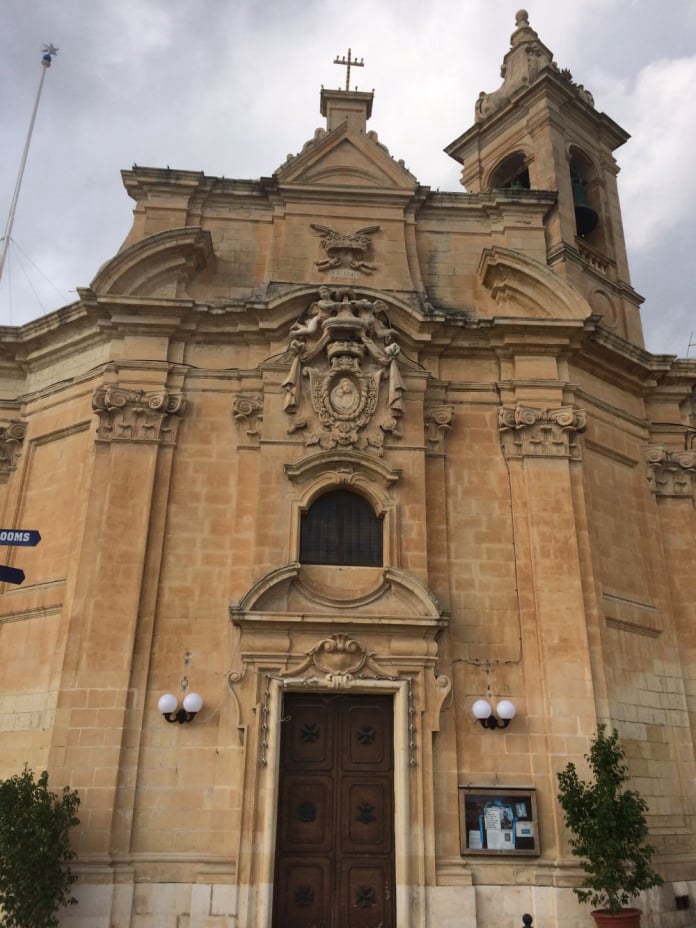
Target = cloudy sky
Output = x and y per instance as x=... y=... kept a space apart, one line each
x=230 y=87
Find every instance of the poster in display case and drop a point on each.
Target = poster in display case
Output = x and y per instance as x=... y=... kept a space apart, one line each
x=498 y=820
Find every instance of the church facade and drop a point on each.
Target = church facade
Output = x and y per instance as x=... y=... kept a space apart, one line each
x=344 y=457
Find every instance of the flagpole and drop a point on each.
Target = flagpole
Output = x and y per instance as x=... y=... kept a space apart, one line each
x=49 y=51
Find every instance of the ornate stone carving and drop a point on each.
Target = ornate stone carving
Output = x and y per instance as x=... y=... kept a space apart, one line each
x=526 y=431
x=671 y=473
x=137 y=415
x=345 y=252
x=438 y=422
x=247 y=412
x=522 y=65
x=12 y=432
x=347 y=352
x=339 y=660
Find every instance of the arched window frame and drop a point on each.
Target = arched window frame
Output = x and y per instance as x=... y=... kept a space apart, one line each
x=341 y=528
x=518 y=155
x=582 y=166
x=348 y=470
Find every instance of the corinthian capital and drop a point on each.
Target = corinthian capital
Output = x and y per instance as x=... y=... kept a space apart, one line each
x=528 y=431
x=671 y=473
x=137 y=415
x=12 y=432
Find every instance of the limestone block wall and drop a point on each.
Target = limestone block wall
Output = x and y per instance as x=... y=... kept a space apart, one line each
x=168 y=481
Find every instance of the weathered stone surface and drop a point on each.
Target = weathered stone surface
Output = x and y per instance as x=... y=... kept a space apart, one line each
x=470 y=367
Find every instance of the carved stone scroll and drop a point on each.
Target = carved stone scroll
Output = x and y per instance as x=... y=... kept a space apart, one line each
x=526 y=431
x=339 y=660
x=671 y=473
x=137 y=415
x=247 y=412
x=12 y=432
x=438 y=422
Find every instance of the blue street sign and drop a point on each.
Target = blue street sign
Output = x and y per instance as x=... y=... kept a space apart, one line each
x=11 y=575
x=25 y=538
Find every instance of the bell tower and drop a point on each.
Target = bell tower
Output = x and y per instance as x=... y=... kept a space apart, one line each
x=541 y=131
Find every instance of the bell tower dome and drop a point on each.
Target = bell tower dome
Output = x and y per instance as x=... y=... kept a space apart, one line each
x=541 y=131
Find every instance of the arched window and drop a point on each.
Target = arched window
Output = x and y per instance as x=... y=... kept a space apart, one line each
x=340 y=527
x=583 y=179
x=511 y=174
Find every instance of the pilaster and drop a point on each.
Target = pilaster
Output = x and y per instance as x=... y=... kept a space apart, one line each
x=91 y=749
x=541 y=448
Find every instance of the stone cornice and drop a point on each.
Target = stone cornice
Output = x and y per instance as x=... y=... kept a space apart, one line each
x=530 y=432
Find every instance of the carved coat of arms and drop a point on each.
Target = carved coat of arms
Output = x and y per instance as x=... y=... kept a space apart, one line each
x=344 y=386
x=345 y=250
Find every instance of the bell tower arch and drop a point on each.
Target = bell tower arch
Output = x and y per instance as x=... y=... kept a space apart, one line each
x=540 y=131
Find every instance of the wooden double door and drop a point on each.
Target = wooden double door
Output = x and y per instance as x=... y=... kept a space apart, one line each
x=335 y=837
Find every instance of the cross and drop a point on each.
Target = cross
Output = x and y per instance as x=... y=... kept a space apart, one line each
x=347 y=62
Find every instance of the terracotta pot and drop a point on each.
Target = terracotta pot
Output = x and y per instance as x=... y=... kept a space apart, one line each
x=626 y=918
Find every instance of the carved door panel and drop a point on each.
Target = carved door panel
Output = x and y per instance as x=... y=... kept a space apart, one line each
x=335 y=843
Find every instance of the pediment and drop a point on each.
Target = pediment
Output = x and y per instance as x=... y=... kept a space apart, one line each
x=355 y=595
x=524 y=288
x=345 y=157
x=158 y=265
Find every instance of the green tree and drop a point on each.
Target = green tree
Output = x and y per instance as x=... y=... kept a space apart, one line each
x=608 y=826
x=35 y=852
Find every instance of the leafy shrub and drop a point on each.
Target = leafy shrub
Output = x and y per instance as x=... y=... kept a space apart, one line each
x=35 y=852
x=608 y=826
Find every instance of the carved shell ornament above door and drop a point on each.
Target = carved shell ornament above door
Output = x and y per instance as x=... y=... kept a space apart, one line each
x=339 y=660
x=348 y=353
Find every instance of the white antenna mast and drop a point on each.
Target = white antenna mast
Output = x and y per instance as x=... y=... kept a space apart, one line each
x=49 y=50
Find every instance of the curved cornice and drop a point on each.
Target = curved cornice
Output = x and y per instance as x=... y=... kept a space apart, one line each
x=395 y=593
x=162 y=260
x=346 y=462
x=523 y=287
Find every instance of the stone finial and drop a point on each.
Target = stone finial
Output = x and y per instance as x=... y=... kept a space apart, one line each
x=527 y=58
x=523 y=31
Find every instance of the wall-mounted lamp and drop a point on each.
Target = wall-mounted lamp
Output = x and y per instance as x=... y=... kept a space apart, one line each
x=168 y=703
x=483 y=712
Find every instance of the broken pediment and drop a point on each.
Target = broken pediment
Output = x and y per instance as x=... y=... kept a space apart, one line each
x=345 y=157
x=163 y=264
x=524 y=288
x=359 y=595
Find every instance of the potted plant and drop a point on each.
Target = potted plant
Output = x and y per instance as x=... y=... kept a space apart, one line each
x=609 y=830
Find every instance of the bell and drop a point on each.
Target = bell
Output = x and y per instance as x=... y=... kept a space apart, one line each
x=585 y=217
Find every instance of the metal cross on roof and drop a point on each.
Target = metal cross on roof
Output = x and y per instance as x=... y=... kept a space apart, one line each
x=347 y=62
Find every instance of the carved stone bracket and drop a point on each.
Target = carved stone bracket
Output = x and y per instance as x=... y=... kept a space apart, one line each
x=12 y=432
x=137 y=415
x=526 y=431
x=671 y=473
x=247 y=412
x=438 y=422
